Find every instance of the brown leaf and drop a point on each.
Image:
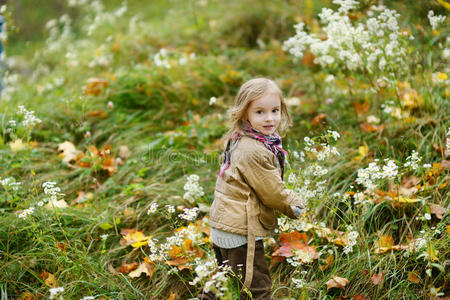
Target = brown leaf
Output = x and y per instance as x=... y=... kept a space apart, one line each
x=317 y=119
x=127 y=268
x=337 y=282
x=308 y=59
x=377 y=278
x=27 y=296
x=328 y=262
x=361 y=108
x=95 y=86
x=51 y=281
x=98 y=113
x=360 y=297
x=172 y=296
x=371 y=128
x=437 y=210
x=413 y=277
x=145 y=267
x=408 y=187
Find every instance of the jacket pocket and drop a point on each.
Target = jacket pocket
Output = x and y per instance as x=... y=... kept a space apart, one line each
x=267 y=217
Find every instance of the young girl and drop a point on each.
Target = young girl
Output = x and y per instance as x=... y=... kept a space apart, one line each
x=250 y=187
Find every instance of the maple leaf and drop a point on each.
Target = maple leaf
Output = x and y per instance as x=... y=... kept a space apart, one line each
x=337 y=282
x=296 y=243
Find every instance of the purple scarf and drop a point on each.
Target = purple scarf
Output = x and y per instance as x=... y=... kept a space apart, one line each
x=271 y=142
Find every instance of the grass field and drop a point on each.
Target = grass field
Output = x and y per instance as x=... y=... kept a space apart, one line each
x=111 y=118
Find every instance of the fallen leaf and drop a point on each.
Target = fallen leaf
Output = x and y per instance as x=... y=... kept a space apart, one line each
x=51 y=281
x=95 y=86
x=337 y=282
x=27 y=296
x=361 y=108
x=172 y=296
x=145 y=267
x=133 y=237
x=17 y=145
x=377 y=278
x=328 y=262
x=437 y=210
x=384 y=244
x=317 y=119
x=98 y=113
x=432 y=252
x=408 y=187
x=127 y=268
x=360 y=297
x=371 y=128
x=308 y=59
x=413 y=277
x=68 y=152
x=362 y=152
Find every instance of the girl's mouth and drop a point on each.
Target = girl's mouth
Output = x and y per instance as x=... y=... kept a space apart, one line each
x=268 y=127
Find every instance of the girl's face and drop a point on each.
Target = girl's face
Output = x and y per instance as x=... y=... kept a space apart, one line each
x=264 y=113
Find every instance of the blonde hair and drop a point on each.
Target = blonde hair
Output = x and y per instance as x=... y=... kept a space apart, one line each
x=251 y=90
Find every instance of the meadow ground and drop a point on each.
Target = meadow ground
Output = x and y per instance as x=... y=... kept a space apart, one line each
x=110 y=123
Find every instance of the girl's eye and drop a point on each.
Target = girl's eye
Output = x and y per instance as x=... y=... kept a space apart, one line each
x=275 y=110
x=259 y=112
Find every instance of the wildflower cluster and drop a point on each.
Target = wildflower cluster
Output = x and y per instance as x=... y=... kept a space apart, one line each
x=10 y=183
x=369 y=177
x=55 y=291
x=189 y=214
x=413 y=160
x=371 y=46
x=29 y=119
x=435 y=20
x=211 y=276
x=351 y=239
x=51 y=190
x=299 y=282
x=193 y=189
x=163 y=58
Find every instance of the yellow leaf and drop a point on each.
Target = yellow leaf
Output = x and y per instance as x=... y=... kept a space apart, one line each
x=412 y=277
x=432 y=252
x=53 y=203
x=362 y=151
x=444 y=4
x=384 y=244
x=51 y=281
x=404 y=199
x=17 y=145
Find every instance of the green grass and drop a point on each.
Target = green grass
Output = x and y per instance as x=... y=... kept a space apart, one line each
x=164 y=118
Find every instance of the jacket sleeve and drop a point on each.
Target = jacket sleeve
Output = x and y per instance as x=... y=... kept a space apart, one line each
x=264 y=178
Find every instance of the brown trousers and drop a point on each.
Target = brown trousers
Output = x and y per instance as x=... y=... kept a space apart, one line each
x=236 y=259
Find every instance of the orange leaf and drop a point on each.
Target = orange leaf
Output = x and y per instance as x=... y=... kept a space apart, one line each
x=377 y=278
x=61 y=246
x=337 y=282
x=308 y=59
x=172 y=296
x=360 y=297
x=361 y=108
x=98 y=113
x=413 y=277
x=371 y=128
x=328 y=262
x=27 y=296
x=95 y=86
x=318 y=118
x=127 y=268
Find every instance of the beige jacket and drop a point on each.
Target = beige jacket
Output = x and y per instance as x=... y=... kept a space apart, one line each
x=248 y=195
